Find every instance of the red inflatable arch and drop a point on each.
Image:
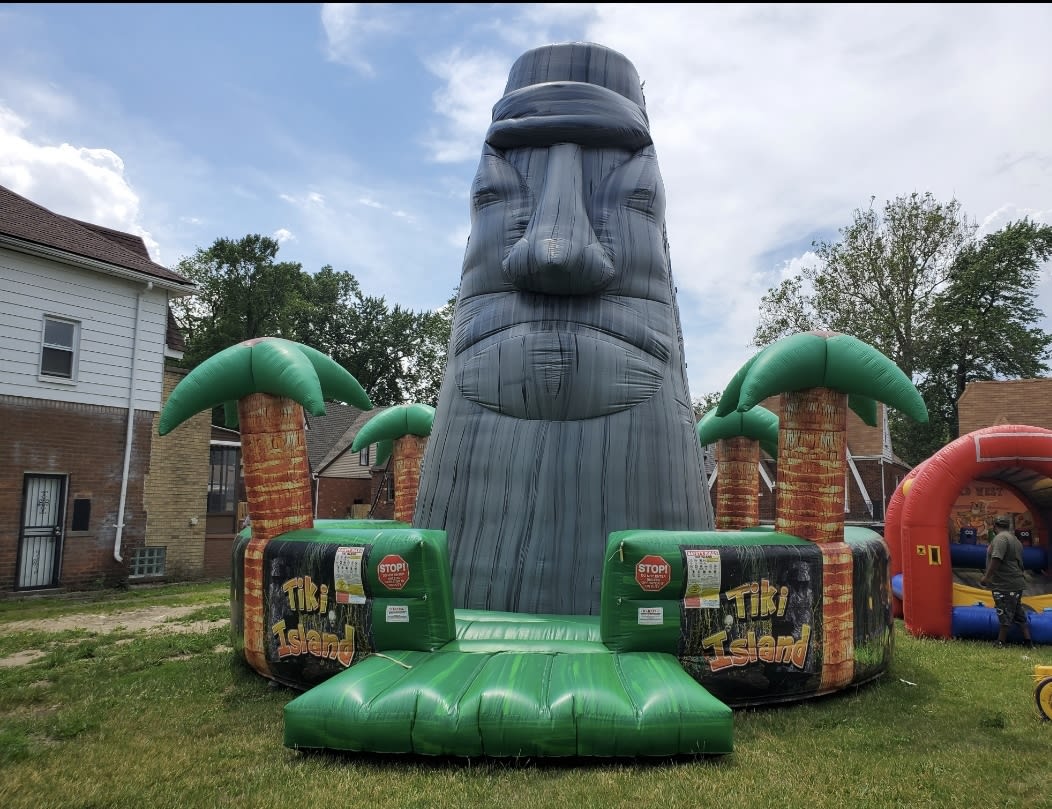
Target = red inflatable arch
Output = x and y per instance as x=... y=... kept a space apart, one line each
x=918 y=513
x=892 y=534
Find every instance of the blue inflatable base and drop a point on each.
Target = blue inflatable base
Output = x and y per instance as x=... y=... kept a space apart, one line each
x=980 y=621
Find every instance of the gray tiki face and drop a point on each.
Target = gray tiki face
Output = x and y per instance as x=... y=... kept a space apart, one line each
x=566 y=307
x=564 y=414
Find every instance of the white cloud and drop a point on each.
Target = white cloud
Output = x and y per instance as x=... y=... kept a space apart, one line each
x=773 y=123
x=76 y=181
x=472 y=85
x=350 y=26
x=282 y=235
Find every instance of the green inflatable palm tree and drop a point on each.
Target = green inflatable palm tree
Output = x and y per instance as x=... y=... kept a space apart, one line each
x=819 y=375
x=265 y=384
x=403 y=430
x=740 y=437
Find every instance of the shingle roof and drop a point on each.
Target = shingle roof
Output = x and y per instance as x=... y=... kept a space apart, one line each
x=25 y=220
x=344 y=441
x=323 y=432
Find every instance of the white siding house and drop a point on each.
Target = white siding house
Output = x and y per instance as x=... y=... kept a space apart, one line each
x=97 y=320
x=84 y=331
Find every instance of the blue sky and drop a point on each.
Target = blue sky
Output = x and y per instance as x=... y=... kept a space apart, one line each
x=351 y=132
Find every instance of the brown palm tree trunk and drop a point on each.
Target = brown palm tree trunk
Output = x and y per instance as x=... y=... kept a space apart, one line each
x=408 y=454
x=810 y=504
x=737 y=483
x=277 y=484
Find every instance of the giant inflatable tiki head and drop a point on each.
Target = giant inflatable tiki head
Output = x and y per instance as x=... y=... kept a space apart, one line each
x=564 y=413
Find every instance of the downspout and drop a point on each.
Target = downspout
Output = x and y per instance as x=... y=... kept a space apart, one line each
x=130 y=434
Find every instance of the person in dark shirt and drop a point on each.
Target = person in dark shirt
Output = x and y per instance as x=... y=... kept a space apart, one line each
x=1004 y=577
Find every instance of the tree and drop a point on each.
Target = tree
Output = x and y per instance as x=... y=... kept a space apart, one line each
x=398 y=355
x=739 y=437
x=427 y=365
x=913 y=282
x=405 y=428
x=244 y=293
x=983 y=322
x=703 y=404
x=878 y=283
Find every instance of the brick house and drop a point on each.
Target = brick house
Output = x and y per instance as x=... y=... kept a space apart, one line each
x=347 y=484
x=84 y=331
x=175 y=496
x=196 y=493
x=1010 y=401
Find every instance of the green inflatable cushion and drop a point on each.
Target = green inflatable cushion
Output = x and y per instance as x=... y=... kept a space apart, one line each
x=512 y=704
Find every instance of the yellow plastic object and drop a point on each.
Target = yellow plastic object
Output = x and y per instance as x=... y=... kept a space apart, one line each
x=967 y=596
x=1043 y=690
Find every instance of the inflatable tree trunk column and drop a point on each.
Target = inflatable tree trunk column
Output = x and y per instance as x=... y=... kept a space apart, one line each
x=812 y=462
x=739 y=437
x=406 y=458
x=737 y=483
x=277 y=484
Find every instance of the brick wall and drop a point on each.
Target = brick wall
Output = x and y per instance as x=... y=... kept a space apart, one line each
x=336 y=496
x=177 y=491
x=86 y=444
x=1013 y=401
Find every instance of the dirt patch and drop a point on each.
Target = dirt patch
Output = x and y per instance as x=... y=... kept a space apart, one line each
x=152 y=620
x=20 y=658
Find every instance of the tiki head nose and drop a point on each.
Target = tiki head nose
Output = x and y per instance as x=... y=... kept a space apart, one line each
x=560 y=253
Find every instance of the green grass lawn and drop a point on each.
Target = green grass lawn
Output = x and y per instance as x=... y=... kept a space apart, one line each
x=134 y=719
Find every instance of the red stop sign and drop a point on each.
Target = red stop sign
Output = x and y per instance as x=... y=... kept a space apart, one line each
x=653 y=572
x=393 y=572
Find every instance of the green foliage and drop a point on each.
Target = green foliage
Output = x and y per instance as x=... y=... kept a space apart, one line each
x=877 y=283
x=913 y=282
x=396 y=354
x=784 y=310
x=703 y=404
x=984 y=320
x=244 y=293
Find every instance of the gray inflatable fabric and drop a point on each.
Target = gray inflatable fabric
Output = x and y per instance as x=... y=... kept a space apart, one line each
x=564 y=413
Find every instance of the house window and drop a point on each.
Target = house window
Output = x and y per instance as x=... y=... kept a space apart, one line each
x=363 y=456
x=390 y=489
x=148 y=562
x=81 y=514
x=58 y=355
x=222 y=481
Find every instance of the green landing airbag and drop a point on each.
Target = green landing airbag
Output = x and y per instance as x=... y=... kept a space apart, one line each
x=511 y=704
